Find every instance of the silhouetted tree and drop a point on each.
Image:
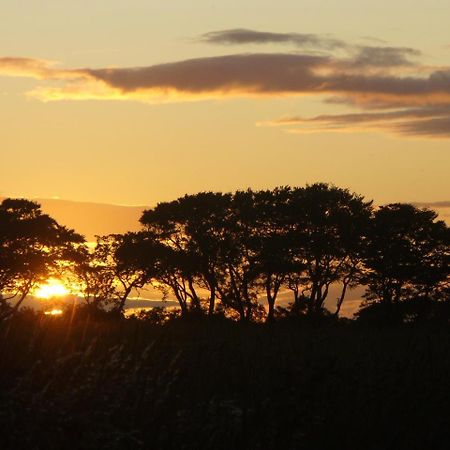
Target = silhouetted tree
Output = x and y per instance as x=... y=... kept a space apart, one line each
x=194 y=227
x=125 y=277
x=33 y=246
x=327 y=227
x=92 y=276
x=238 y=286
x=407 y=255
x=236 y=246
x=166 y=268
x=271 y=244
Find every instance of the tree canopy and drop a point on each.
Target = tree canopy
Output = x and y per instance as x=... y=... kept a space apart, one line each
x=230 y=253
x=33 y=247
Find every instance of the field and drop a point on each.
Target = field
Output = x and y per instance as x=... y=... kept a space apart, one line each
x=100 y=383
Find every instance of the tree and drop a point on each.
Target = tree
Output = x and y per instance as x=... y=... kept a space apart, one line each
x=169 y=256
x=92 y=276
x=33 y=246
x=270 y=243
x=327 y=230
x=208 y=239
x=194 y=227
x=125 y=278
x=238 y=279
x=165 y=267
x=407 y=255
x=236 y=246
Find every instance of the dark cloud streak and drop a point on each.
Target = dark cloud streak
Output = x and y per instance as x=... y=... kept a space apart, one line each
x=360 y=55
x=258 y=73
x=385 y=56
x=425 y=122
x=239 y=36
x=443 y=204
x=435 y=127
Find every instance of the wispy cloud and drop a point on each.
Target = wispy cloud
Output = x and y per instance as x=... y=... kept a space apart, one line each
x=360 y=55
x=426 y=121
x=389 y=88
x=36 y=68
x=443 y=204
x=366 y=56
x=239 y=36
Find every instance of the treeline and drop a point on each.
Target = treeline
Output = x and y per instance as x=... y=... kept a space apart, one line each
x=224 y=253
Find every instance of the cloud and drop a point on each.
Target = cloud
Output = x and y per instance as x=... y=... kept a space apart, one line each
x=443 y=204
x=241 y=75
x=224 y=73
x=386 y=85
x=36 y=68
x=435 y=127
x=246 y=73
x=194 y=79
x=360 y=55
x=272 y=74
x=427 y=121
x=25 y=67
x=385 y=56
x=238 y=36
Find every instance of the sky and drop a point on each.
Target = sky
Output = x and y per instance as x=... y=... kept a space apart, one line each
x=134 y=102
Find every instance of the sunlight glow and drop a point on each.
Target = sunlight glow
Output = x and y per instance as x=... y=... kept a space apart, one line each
x=52 y=288
x=54 y=312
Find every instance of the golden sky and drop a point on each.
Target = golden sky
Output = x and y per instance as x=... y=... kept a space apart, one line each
x=137 y=101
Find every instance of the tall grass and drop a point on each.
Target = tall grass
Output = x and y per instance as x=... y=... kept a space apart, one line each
x=99 y=383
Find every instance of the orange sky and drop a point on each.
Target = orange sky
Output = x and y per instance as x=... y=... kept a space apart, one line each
x=136 y=102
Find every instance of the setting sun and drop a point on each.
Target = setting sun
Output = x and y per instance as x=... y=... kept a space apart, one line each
x=53 y=288
x=54 y=312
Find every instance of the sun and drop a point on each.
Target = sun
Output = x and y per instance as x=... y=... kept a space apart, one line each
x=52 y=288
x=54 y=312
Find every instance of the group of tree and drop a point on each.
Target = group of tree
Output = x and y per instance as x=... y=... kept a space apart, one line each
x=33 y=246
x=229 y=253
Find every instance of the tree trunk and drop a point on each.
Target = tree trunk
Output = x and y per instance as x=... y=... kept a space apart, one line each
x=195 y=300
x=212 y=301
x=181 y=302
x=270 y=303
x=341 y=299
x=312 y=299
x=241 y=312
x=123 y=300
x=271 y=310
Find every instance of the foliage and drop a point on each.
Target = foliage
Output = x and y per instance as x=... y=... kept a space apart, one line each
x=226 y=253
x=407 y=255
x=33 y=246
x=239 y=246
x=84 y=383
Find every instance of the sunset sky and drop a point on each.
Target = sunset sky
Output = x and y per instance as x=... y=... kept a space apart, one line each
x=138 y=101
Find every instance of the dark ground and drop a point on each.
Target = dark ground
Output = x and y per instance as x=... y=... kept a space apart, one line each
x=127 y=384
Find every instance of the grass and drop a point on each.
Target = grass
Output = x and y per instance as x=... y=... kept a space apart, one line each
x=197 y=384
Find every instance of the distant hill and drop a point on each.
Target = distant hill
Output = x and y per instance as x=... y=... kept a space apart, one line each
x=442 y=208
x=92 y=219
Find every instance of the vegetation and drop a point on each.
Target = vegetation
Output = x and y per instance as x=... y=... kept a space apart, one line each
x=104 y=383
x=211 y=374
x=226 y=253
x=33 y=246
